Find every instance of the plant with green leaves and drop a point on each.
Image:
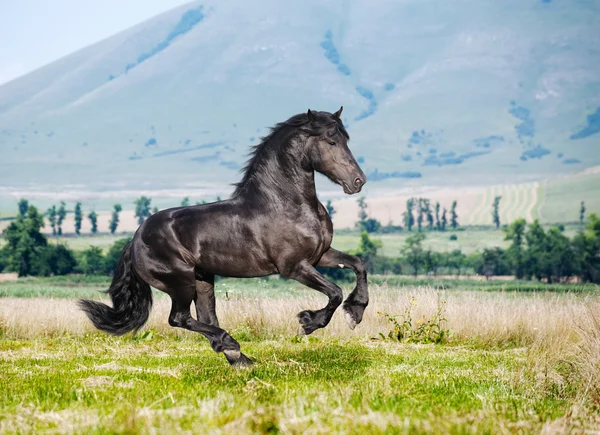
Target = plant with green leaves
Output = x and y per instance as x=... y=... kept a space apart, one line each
x=185 y=201
x=423 y=330
x=581 y=213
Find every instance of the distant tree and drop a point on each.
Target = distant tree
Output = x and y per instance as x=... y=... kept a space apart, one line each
x=23 y=206
x=60 y=259
x=428 y=214
x=362 y=211
x=25 y=247
x=419 y=214
x=495 y=211
x=185 y=202
x=51 y=214
x=409 y=219
x=142 y=208
x=364 y=222
x=92 y=261
x=413 y=251
x=453 y=216
x=582 y=213
x=443 y=221
x=432 y=261
x=367 y=250
x=438 y=224
x=561 y=258
x=114 y=221
x=586 y=250
x=78 y=217
x=456 y=261
x=536 y=262
x=330 y=209
x=93 y=217
x=493 y=262
x=515 y=232
x=114 y=253
x=61 y=214
x=218 y=198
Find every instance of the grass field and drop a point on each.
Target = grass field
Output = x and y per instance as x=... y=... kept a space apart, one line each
x=513 y=362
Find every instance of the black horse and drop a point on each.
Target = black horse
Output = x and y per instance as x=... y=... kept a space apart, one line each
x=273 y=223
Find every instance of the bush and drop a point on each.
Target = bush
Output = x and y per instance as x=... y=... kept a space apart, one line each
x=3 y=260
x=113 y=255
x=92 y=261
x=60 y=259
x=453 y=237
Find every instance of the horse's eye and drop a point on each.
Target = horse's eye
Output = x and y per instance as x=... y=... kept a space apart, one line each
x=332 y=143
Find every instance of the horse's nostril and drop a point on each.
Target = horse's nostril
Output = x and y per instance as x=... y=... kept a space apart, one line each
x=358 y=182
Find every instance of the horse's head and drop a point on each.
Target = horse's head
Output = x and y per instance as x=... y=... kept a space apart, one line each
x=329 y=152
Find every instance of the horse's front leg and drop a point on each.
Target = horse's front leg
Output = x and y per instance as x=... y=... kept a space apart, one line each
x=357 y=301
x=306 y=274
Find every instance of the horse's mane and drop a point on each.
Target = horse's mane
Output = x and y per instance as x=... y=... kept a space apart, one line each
x=273 y=146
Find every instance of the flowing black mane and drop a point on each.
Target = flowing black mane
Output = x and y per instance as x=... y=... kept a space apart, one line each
x=275 y=148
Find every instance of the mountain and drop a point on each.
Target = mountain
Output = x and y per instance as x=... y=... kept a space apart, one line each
x=434 y=92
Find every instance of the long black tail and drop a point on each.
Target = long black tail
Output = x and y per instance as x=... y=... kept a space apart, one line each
x=131 y=300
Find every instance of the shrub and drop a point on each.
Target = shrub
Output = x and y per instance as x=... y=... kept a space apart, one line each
x=422 y=330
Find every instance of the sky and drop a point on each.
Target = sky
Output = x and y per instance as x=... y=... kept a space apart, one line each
x=34 y=33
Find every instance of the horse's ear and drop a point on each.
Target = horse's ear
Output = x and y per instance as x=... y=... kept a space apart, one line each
x=338 y=113
x=310 y=115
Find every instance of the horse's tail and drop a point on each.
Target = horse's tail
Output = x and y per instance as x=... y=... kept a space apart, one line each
x=131 y=299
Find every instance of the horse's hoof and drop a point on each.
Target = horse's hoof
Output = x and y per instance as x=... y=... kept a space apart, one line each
x=350 y=320
x=235 y=358
x=307 y=322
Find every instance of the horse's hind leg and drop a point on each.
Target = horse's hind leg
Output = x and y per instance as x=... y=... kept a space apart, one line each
x=204 y=300
x=219 y=339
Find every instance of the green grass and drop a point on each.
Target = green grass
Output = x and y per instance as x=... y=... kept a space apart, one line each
x=177 y=383
x=78 y=286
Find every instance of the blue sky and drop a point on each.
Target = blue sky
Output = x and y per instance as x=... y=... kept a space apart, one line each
x=34 y=33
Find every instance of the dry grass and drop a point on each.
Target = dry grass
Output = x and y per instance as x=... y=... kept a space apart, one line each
x=487 y=318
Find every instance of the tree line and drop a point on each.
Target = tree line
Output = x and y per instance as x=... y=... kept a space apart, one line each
x=420 y=214
x=56 y=215
x=28 y=252
x=533 y=253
